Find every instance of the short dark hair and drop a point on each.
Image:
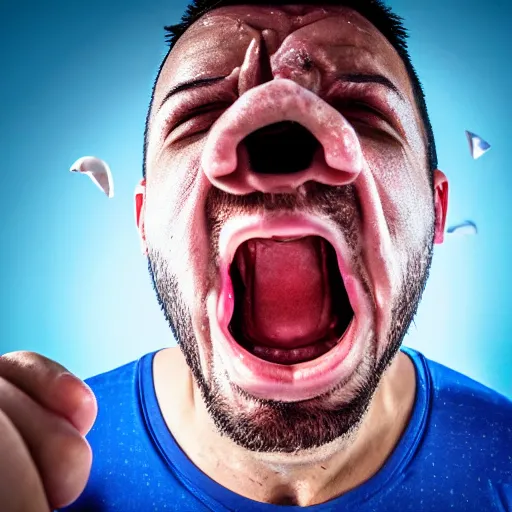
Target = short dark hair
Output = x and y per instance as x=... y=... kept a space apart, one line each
x=375 y=11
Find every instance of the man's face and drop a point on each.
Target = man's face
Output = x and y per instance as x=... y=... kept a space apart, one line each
x=288 y=216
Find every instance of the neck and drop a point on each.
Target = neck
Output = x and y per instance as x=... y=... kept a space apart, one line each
x=303 y=478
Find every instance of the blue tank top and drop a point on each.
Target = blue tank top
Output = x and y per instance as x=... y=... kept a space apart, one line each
x=455 y=454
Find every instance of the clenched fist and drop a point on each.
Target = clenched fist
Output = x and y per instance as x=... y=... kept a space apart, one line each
x=45 y=412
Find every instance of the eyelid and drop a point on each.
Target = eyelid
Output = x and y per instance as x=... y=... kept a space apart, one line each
x=190 y=113
x=356 y=110
x=190 y=101
x=187 y=127
x=361 y=98
x=372 y=97
x=360 y=104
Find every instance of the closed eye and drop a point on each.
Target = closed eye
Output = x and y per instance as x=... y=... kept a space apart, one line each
x=367 y=119
x=194 y=112
x=353 y=108
x=195 y=121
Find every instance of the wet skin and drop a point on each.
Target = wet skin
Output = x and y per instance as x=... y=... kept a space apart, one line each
x=375 y=197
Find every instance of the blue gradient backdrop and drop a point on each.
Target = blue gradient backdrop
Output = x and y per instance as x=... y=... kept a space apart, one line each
x=76 y=80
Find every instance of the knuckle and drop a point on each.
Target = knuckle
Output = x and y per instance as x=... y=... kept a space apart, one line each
x=30 y=371
x=20 y=356
x=18 y=360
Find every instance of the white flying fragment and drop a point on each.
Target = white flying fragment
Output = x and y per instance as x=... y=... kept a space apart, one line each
x=467 y=227
x=98 y=171
x=477 y=145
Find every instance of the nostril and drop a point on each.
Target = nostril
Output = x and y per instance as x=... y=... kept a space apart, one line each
x=281 y=148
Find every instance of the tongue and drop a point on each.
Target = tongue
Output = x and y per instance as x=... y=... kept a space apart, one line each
x=287 y=301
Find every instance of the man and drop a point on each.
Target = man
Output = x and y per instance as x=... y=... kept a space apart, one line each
x=289 y=207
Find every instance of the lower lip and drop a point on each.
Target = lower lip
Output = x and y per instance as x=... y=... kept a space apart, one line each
x=296 y=382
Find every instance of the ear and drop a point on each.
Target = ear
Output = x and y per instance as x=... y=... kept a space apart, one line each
x=440 y=204
x=140 y=198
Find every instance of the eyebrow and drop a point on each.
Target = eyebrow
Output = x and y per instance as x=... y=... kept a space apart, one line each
x=192 y=84
x=363 y=78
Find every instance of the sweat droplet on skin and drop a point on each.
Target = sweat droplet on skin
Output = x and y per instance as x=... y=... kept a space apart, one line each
x=99 y=172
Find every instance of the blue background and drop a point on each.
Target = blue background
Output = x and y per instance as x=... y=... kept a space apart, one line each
x=76 y=80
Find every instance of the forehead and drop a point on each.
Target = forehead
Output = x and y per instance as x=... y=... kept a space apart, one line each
x=340 y=37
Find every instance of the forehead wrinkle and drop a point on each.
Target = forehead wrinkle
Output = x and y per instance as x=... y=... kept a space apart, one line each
x=283 y=25
x=259 y=19
x=196 y=46
x=273 y=17
x=196 y=49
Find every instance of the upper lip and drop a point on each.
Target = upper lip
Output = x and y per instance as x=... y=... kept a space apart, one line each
x=282 y=226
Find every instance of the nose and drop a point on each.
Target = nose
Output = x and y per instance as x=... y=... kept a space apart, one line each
x=281 y=148
x=276 y=137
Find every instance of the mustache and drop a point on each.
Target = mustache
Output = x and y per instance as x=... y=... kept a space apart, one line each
x=340 y=204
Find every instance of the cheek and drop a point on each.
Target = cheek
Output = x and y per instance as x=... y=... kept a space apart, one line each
x=404 y=190
x=175 y=224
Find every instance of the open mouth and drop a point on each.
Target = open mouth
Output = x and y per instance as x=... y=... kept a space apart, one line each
x=290 y=315
x=290 y=301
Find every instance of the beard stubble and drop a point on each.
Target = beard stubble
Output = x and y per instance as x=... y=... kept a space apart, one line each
x=286 y=427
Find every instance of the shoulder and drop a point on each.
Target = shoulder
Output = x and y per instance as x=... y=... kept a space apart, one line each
x=454 y=388
x=465 y=414
x=113 y=379
x=120 y=376
x=458 y=389
x=123 y=393
x=118 y=393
